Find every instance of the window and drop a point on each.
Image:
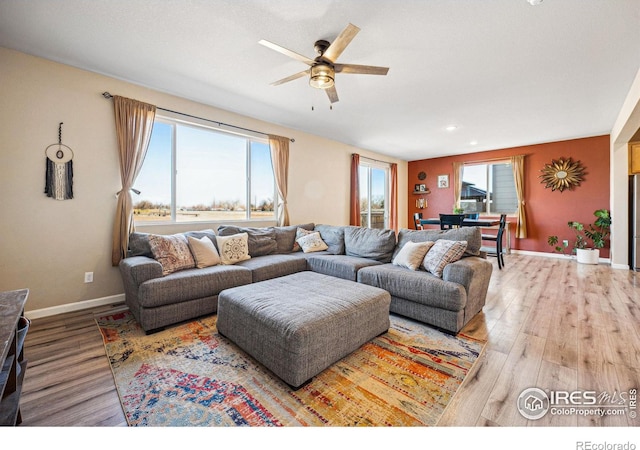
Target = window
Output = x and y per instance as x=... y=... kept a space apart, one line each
x=488 y=189
x=197 y=173
x=374 y=195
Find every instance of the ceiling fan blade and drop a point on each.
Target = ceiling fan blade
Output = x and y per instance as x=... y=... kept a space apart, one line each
x=337 y=47
x=332 y=94
x=287 y=52
x=295 y=76
x=355 y=68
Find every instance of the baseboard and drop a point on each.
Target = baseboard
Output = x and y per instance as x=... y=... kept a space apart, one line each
x=557 y=256
x=77 y=306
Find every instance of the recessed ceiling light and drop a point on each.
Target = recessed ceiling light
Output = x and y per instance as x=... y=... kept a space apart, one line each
x=473 y=143
x=534 y=2
x=452 y=127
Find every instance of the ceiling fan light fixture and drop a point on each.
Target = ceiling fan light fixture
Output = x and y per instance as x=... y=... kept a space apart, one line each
x=322 y=76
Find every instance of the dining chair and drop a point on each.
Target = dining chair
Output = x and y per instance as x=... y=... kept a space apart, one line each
x=449 y=221
x=416 y=221
x=496 y=250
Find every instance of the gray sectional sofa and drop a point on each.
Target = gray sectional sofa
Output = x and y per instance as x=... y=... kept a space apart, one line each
x=354 y=253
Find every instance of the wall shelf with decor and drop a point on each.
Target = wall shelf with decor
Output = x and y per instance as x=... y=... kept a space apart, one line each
x=13 y=329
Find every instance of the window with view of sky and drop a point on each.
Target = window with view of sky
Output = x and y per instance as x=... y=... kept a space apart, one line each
x=218 y=176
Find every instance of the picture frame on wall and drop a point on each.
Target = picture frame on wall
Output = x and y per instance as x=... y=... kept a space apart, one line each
x=416 y=188
x=443 y=181
x=423 y=188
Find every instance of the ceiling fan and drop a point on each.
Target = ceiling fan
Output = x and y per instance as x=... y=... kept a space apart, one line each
x=323 y=68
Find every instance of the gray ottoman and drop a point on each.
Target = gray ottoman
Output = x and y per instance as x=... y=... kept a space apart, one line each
x=300 y=324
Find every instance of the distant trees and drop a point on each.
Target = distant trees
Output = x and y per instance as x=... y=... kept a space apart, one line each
x=377 y=202
x=146 y=206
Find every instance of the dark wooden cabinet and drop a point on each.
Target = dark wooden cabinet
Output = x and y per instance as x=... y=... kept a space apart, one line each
x=13 y=328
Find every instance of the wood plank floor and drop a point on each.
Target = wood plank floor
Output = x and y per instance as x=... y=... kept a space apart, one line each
x=550 y=323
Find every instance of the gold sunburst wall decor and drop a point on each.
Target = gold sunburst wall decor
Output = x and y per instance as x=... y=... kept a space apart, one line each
x=561 y=174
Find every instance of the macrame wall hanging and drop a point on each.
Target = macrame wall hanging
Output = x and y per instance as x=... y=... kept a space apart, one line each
x=59 y=172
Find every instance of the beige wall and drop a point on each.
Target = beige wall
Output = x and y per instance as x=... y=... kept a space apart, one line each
x=48 y=245
x=626 y=125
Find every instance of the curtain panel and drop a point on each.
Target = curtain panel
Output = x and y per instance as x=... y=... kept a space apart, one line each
x=393 y=206
x=354 y=206
x=457 y=183
x=134 y=123
x=279 y=147
x=517 y=163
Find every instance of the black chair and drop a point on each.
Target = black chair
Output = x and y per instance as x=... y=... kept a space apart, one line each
x=416 y=221
x=449 y=221
x=496 y=251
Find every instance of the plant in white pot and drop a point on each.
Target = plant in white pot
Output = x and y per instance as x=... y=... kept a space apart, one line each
x=597 y=233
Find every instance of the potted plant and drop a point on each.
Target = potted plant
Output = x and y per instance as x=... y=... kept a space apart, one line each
x=595 y=234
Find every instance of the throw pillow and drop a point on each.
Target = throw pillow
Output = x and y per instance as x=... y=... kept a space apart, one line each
x=234 y=248
x=442 y=253
x=204 y=252
x=312 y=243
x=261 y=241
x=299 y=233
x=412 y=254
x=172 y=252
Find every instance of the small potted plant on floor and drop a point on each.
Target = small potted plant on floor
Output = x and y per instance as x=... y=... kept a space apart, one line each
x=595 y=233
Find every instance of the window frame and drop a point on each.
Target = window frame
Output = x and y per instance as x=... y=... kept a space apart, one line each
x=489 y=174
x=370 y=164
x=173 y=121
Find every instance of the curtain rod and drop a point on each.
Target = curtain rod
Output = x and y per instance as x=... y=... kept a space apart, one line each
x=376 y=160
x=480 y=161
x=108 y=96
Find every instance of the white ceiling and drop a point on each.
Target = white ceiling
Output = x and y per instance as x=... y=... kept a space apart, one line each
x=505 y=72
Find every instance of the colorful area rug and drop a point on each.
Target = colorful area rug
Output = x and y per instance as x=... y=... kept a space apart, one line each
x=189 y=375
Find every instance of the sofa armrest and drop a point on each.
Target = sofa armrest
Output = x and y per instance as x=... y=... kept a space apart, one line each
x=466 y=270
x=138 y=269
x=474 y=274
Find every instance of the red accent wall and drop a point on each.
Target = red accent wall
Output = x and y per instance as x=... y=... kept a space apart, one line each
x=547 y=211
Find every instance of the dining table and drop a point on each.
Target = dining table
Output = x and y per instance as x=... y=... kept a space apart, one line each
x=483 y=223
x=488 y=222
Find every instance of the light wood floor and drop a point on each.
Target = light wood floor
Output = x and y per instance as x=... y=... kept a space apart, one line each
x=550 y=323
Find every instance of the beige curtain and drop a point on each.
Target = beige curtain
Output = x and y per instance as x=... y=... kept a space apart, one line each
x=517 y=163
x=354 y=204
x=457 y=183
x=134 y=122
x=393 y=206
x=280 y=160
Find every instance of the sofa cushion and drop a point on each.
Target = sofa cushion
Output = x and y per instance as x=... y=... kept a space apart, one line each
x=172 y=252
x=139 y=245
x=139 y=242
x=442 y=253
x=369 y=243
x=415 y=285
x=191 y=284
x=472 y=235
x=204 y=252
x=233 y=248
x=261 y=241
x=286 y=237
x=333 y=236
x=273 y=266
x=340 y=266
x=412 y=254
x=312 y=242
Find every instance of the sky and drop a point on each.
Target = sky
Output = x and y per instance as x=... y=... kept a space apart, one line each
x=211 y=166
